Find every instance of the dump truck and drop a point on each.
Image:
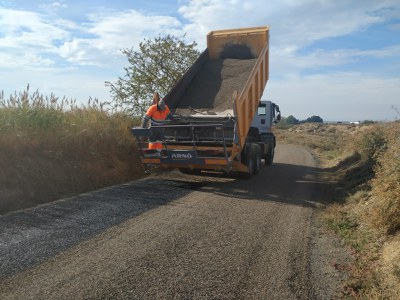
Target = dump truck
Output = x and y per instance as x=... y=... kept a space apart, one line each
x=220 y=123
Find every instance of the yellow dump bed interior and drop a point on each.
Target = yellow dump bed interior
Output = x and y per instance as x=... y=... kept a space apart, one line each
x=224 y=67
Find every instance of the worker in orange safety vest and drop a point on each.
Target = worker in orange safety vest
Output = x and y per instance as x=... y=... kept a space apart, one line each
x=157 y=114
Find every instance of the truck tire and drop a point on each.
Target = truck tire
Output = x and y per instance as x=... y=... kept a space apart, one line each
x=269 y=158
x=249 y=161
x=251 y=166
x=257 y=158
x=270 y=143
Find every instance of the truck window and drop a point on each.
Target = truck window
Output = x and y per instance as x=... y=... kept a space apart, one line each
x=261 y=110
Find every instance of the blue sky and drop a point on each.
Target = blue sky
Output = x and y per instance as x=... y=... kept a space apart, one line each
x=339 y=59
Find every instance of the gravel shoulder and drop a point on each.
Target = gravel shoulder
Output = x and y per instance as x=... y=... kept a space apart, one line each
x=175 y=236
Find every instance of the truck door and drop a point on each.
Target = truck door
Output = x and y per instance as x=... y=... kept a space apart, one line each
x=263 y=118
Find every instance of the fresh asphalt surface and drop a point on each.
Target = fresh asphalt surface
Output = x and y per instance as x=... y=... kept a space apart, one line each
x=175 y=236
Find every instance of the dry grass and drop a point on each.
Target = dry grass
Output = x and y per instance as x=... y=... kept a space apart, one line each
x=52 y=148
x=361 y=167
x=385 y=200
x=330 y=143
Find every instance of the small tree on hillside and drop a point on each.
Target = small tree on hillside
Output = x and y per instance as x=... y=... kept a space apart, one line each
x=155 y=67
x=313 y=119
x=291 y=120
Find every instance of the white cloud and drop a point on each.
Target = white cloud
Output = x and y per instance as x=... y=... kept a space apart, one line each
x=9 y=61
x=113 y=31
x=25 y=25
x=78 y=51
x=286 y=63
x=127 y=28
x=26 y=38
x=384 y=52
x=294 y=23
x=58 y=5
x=73 y=83
x=53 y=7
x=32 y=47
x=95 y=42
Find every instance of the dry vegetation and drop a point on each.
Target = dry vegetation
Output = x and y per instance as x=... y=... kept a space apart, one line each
x=360 y=181
x=52 y=148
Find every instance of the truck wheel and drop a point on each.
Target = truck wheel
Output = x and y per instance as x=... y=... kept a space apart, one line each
x=250 y=165
x=249 y=161
x=257 y=163
x=269 y=158
x=257 y=159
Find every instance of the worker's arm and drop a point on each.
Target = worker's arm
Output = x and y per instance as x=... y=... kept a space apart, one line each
x=145 y=121
x=147 y=116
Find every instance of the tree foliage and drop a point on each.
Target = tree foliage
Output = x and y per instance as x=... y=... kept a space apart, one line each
x=291 y=120
x=314 y=119
x=155 y=67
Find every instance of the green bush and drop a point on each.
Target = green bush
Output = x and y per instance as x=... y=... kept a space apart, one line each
x=372 y=143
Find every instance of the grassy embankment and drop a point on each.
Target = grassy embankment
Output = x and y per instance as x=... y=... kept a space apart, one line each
x=51 y=148
x=360 y=183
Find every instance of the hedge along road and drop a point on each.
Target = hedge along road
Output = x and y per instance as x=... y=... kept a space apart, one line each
x=175 y=236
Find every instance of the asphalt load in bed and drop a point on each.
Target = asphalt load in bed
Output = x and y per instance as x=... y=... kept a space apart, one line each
x=213 y=86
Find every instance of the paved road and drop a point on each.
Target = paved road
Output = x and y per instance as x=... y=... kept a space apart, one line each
x=175 y=236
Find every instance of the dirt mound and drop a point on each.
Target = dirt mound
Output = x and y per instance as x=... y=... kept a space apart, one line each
x=213 y=86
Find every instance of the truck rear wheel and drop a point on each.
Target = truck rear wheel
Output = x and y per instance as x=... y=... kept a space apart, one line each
x=248 y=159
x=257 y=158
x=251 y=165
x=269 y=158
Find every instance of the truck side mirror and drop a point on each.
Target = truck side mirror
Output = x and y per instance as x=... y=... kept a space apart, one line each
x=278 y=117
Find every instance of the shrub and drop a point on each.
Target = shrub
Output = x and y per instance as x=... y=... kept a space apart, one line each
x=386 y=185
x=371 y=143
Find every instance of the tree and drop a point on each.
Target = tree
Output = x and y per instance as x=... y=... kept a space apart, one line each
x=291 y=120
x=313 y=119
x=155 y=67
